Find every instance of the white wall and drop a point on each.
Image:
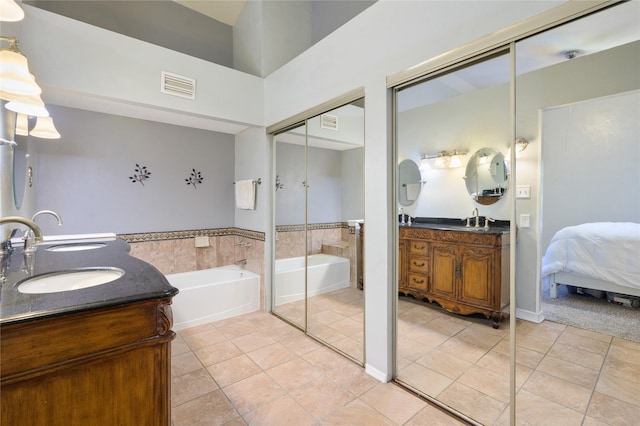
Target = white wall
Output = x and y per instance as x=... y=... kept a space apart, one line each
x=84 y=176
x=387 y=37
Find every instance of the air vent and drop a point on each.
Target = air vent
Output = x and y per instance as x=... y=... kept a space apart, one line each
x=177 y=85
x=328 y=121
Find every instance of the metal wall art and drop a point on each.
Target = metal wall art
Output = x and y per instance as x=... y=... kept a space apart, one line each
x=140 y=174
x=194 y=179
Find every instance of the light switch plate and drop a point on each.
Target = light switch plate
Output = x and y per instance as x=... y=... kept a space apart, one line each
x=525 y=221
x=523 y=191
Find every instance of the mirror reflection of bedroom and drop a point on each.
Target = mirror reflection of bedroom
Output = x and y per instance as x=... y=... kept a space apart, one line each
x=581 y=108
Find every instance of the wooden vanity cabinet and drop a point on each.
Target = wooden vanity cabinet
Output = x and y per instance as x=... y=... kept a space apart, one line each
x=108 y=366
x=464 y=272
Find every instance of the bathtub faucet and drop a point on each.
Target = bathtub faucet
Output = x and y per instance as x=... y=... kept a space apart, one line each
x=242 y=262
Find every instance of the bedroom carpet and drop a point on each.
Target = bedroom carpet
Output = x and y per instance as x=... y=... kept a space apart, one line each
x=593 y=314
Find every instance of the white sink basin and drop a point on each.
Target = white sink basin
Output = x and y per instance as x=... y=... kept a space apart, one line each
x=75 y=246
x=55 y=282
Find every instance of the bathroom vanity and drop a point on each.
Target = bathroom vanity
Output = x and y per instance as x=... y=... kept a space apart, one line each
x=96 y=355
x=464 y=270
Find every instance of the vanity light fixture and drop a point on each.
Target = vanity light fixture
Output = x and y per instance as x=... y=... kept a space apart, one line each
x=10 y=11
x=20 y=93
x=521 y=145
x=442 y=160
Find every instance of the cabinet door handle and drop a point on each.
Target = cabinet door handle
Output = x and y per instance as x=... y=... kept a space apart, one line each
x=416 y=264
x=418 y=282
x=419 y=248
x=458 y=270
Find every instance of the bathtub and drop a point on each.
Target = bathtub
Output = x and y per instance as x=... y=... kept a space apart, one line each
x=325 y=273
x=213 y=294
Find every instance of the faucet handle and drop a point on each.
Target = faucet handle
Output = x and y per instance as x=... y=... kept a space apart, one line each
x=468 y=219
x=487 y=219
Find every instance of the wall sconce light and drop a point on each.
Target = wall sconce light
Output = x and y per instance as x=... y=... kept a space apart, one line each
x=521 y=145
x=19 y=91
x=442 y=160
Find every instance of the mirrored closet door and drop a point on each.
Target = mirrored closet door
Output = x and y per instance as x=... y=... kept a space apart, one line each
x=322 y=162
x=578 y=106
x=453 y=130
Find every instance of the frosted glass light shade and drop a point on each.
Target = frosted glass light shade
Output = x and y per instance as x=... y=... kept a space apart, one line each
x=22 y=125
x=14 y=74
x=10 y=11
x=28 y=105
x=455 y=161
x=45 y=129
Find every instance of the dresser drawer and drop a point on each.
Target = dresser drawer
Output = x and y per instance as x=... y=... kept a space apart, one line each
x=418 y=247
x=418 y=281
x=418 y=264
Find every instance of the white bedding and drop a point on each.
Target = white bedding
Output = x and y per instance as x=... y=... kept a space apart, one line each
x=608 y=251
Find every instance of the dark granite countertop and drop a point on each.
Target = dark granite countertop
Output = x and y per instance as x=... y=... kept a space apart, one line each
x=497 y=227
x=141 y=281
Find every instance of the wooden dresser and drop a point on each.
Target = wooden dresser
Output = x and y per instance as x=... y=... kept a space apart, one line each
x=465 y=272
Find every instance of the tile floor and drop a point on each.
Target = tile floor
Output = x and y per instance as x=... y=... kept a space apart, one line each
x=255 y=369
x=564 y=375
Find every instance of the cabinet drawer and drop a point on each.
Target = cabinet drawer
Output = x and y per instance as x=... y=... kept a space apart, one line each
x=418 y=247
x=418 y=264
x=418 y=281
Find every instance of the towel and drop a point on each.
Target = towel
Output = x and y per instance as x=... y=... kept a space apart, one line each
x=245 y=194
x=413 y=190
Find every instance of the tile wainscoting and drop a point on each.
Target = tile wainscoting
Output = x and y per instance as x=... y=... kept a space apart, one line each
x=176 y=251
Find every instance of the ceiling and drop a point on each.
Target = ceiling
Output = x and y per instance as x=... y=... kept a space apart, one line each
x=226 y=11
x=601 y=31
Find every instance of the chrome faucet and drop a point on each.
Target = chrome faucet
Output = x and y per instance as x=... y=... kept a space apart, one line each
x=475 y=215
x=37 y=233
x=28 y=237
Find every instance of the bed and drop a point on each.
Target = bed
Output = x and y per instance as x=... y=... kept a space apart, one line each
x=601 y=256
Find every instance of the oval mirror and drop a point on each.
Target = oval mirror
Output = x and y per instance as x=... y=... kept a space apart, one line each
x=409 y=182
x=487 y=176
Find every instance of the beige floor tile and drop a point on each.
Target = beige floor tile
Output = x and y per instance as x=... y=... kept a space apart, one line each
x=447 y=326
x=481 y=335
x=283 y=411
x=444 y=363
x=424 y=336
x=533 y=342
x=233 y=370
x=197 y=329
x=545 y=330
x=351 y=347
x=347 y=326
x=563 y=392
x=184 y=363
x=590 y=421
x=578 y=356
x=237 y=329
x=619 y=368
x=300 y=344
x=205 y=338
x=326 y=317
x=618 y=341
x=462 y=349
x=179 y=346
x=625 y=353
x=524 y=356
x=474 y=404
x=214 y=354
x=252 y=341
x=352 y=378
x=619 y=387
x=590 y=334
x=209 y=409
x=583 y=342
x=321 y=396
x=326 y=359
x=272 y=355
x=613 y=411
x=433 y=416
x=487 y=382
x=356 y=413
x=532 y=409
x=190 y=386
x=566 y=370
x=294 y=373
x=386 y=398
x=501 y=364
x=426 y=380
x=253 y=392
